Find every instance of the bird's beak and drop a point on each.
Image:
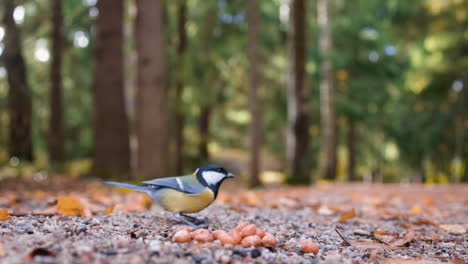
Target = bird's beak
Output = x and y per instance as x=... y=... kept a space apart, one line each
x=230 y=175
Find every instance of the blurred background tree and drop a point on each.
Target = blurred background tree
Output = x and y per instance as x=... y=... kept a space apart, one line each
x=346 y=90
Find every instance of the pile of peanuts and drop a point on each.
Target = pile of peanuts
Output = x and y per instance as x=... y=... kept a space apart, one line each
x=247 y=235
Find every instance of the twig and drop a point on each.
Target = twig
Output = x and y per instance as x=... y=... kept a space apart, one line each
x=344 y=239
x=31 y=214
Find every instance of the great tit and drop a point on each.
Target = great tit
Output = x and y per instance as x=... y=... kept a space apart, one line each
x=184 y=194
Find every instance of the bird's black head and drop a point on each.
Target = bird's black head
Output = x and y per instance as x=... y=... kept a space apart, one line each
x=212 y=176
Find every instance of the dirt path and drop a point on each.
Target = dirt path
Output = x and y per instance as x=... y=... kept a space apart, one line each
x=378 y=224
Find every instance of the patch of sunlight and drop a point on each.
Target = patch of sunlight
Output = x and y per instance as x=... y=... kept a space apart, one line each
x=437 y=42
x=457 y=168
x=284 y=12
x=391 y=151
x=214 y=147
x=42 y=53
x=78 y=168
x=437 y=6
x=416 y=57
x=18 y=14
x=417 y=82
x=192 y=29
x=272 y=177
x=2 y=33
x=241 y=117
x=311 y=67
x=80 y=39
x=435 y=61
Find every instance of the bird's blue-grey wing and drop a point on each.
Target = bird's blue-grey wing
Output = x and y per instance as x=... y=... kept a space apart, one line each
x=186 y=184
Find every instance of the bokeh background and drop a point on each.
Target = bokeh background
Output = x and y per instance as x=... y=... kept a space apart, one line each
x=296 y=91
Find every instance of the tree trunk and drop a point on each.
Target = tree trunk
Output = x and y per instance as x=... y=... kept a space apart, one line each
x=151 y=95
x=253 y=17
x=327 y=94
x=130 y=77
x=204 y=130
x=298 y=108
x=111 y=143
x=179 y=111
x=56 y=127
x=206 y=43
x=351 y=144
x=19 y=93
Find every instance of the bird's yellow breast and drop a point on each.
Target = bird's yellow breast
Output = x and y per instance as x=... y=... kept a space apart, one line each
x=176 y=201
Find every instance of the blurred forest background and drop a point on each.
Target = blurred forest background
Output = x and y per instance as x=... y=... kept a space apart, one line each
x=345 y=90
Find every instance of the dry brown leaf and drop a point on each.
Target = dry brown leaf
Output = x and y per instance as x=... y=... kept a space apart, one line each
x=4 y=215
x=69 y=206
x=348 y=215
x=408 y=237
x=415 y=210
x=109 y=210
x=369 y=244
x=325 y=210
x=424 y=222
x=454 y=229
x=43 y=252
x=392 y=239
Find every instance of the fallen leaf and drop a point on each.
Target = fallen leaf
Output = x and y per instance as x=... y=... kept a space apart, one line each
x=4 y=215
x=380 y=232
x=369 y=244
x=424 y=222
x=416 y=209
x=109 y=210
x=454 y=229
x=325 y=210
x=41 y=252
x=69 y=206
x=392 y=239
x=408 y=237
x=348 y=215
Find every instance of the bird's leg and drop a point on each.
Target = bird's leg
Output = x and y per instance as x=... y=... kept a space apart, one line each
x=189 y=220
x=200 y=220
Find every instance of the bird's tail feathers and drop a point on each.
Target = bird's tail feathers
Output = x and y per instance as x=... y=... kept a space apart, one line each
x=129 y=186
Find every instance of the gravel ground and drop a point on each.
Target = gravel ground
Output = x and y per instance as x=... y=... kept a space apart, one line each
x=296 y=214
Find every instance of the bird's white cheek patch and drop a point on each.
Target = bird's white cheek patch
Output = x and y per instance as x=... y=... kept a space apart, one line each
x=212 y=177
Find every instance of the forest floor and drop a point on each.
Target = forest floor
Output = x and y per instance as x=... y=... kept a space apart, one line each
x=351 y=223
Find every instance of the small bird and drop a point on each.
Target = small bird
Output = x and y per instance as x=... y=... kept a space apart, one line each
x=184 y=194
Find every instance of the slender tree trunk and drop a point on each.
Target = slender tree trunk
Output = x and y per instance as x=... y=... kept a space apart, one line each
x=111 y=144
x=19 y=93
x=130 y=76
x=56 y=136
x=298 y=108
x=179 y=111
x=351 y=144
x=207 y=40
x=327 y=93
x=253 y=17
x=151 y=95
x=204 y=130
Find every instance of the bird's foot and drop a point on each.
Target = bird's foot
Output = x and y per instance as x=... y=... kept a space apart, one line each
x=192 y=221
